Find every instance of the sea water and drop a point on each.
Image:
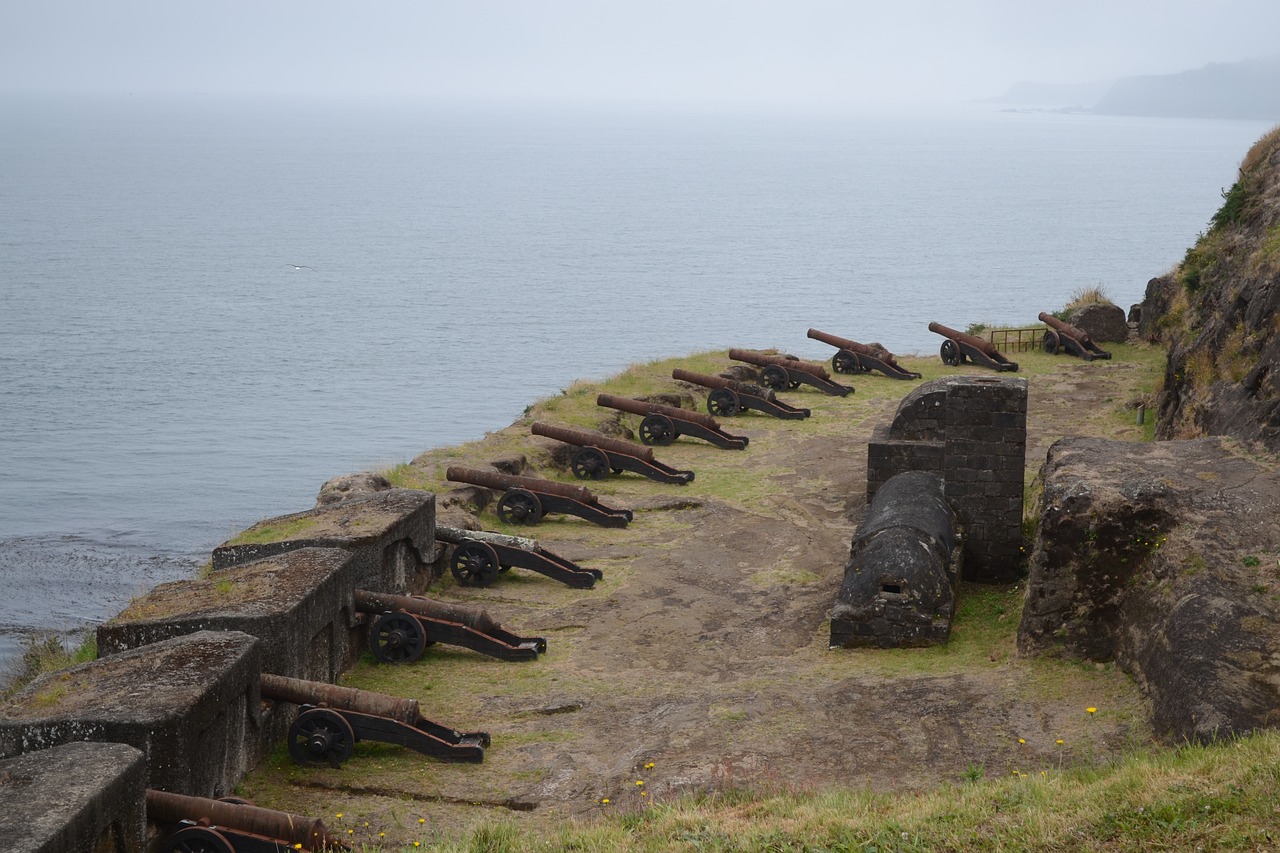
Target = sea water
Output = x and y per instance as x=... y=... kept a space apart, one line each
x=209 y=307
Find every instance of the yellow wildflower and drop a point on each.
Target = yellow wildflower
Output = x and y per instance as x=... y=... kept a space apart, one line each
x=1092 y=710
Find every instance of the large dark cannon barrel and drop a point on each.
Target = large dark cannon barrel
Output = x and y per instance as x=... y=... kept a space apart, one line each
x=838 y=342
x=703 y=379
x=642 y=408
x=1065 y=328
x=583 y=438
x=502 y=482
x=901 y=581
x=167 y=809
x=981 y=344
x=382 y=602
x=300 y=692
x=764 y=358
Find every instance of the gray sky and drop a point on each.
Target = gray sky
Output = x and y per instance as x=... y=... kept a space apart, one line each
x=740 y=52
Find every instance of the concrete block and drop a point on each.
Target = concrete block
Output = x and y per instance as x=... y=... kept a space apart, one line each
x=190 y=704
x=390 y=534
x=76 y=797
x=298 y=603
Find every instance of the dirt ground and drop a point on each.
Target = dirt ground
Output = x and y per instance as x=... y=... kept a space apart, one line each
x=701 y=660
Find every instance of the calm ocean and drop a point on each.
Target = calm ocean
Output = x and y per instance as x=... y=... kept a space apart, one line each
x=167 y=376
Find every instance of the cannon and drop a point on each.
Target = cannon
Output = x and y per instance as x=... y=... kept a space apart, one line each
x=333 y=719
x=664 y=424
x=959 y=347
x=779 y=372
x=404 y=625
x=201 y=825
x=527 y=499
x=729 y=397
x=598 y=455
x=480 y=556
x=854 y=357
x=1064 y=337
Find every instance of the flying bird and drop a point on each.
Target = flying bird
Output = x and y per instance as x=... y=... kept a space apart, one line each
x=302 y=267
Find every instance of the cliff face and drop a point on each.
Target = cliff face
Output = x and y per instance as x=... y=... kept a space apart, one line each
x=1219 y=314
x=1240 y=90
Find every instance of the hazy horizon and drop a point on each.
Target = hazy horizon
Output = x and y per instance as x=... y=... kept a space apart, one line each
x=805 y=53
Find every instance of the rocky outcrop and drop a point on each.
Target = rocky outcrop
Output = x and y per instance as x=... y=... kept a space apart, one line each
x=1102 y=321
x=351 y=486
x=1165 y=558
x=1219 y=312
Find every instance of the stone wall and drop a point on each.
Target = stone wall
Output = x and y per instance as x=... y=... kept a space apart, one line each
x=972 y=430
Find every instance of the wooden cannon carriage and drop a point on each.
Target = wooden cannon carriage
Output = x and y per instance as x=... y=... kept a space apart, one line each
x=780 y=373
x=479 y=556
x=960 y=347
x=526 y=500
x=598 y=455
x=333 y=719
x=1064 y=337
x=662 y=425
x=854 y=357
x=729 y=397
x=404 y=625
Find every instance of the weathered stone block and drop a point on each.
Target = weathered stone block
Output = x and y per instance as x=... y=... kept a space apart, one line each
x=1153 y=555
x=390 y=534
x=187 y=703
x=299 y=604
x=76 y=797
x=903 y=573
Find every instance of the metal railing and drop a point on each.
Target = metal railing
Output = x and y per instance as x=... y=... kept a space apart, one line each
x=1017 y=340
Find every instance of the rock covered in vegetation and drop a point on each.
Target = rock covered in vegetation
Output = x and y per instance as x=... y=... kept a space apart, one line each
x=1164 y=557
x=1219 y=313
x=351 y=486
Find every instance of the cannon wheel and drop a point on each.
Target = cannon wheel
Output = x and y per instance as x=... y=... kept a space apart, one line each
x=722 y=403
x=951 y=353
x=590 y=463
x=846 y=362
x=197 y=839
x=657 y=429
x=321 y=736
x=520 y=506
x=774 y=377
x=1051 y=342
x=397 y=638
x=474 y=564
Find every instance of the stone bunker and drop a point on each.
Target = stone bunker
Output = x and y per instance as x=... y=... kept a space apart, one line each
x=904 y=568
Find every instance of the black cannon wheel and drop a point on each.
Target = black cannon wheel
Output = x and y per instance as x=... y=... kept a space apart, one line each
x=950 y=353
x=722 y=403
x=474 y=564
x=197 y=839
x=774 y=377
x=657 y=429
x=321 y=736
x=397 y=638
x=846 y=362
x=590 y=463
x=1051 y=342
x=520 y=506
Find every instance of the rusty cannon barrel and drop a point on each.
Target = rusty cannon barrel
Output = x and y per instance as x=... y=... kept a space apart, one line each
x=974 y=341
x=167 y=809
x=299 y=692
x=382 y=602
x=764 y=358
x=642 y=408
x=502 y=482
x=853 y=346
x=1065 y=328
x=583 y=438
x=703 y=379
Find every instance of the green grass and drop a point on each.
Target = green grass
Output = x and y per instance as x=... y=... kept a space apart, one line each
x=47 y=654
x=266 y=532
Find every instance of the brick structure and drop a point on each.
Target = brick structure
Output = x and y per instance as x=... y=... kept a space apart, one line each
x=972 y=431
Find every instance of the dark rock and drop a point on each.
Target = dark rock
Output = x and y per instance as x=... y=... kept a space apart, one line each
x=612 y=425
x=740 y=373
x=516 y=465
x=1135 y=314
x=351 y=486
x=468 y=497
x=1162 y=557
x=904 y=569
x=678 y=401
x=1101 y=322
